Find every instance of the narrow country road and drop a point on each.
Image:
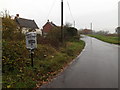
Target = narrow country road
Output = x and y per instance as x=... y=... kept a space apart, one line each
x=96 y=67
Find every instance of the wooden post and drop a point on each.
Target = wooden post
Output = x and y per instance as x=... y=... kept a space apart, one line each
x=62 y=34
x=74 y=24
x=91 y=25
x=31 y=52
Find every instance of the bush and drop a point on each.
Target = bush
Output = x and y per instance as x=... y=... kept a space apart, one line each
x=52 y=38
x=9 y=27
x=70 y=33
x=13 y=54
x=43 y=51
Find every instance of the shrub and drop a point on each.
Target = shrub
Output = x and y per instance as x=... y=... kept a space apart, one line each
x=9 y=27
x=52 y=38
x=43 y=51
x=13 y=53
x=70 y=33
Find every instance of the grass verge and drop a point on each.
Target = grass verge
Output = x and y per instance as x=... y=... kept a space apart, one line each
x=109 y=39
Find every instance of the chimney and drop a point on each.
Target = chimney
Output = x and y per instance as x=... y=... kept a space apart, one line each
x=17 y=15
x=48 y=20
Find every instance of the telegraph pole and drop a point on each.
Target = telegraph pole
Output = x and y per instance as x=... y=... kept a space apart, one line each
x=91 y=26
x=74 y=24
x=62 y=34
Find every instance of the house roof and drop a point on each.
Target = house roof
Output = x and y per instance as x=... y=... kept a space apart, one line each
x=27 y=23
x=51 y=23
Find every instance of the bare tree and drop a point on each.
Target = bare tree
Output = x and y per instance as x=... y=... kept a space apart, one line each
x=68 y=24
x=5 y=14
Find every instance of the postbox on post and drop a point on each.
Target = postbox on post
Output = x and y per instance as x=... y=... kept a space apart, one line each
x=31 y=43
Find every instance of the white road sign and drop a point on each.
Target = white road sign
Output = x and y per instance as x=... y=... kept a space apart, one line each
x=31 y=42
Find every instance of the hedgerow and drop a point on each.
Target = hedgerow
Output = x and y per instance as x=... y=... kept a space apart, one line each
x=50 y=57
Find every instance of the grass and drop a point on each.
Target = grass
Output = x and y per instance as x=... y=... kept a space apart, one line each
x=109 y=39
x=47 y=63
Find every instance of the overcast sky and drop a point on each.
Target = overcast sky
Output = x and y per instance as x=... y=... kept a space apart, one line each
x=102 y=13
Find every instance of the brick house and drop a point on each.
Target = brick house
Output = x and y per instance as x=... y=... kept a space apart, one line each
x=47 y=27
x=86 y=31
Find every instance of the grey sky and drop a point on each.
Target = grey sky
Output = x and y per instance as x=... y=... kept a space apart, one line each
x=102 y=13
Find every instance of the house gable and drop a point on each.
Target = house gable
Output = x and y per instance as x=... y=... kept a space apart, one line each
x=48 y=26
x=26 y=23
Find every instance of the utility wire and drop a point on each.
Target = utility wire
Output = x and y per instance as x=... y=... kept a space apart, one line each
x=70 y=10
x=51 y=8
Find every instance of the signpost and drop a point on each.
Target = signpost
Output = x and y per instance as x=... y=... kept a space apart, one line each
x=31 y=43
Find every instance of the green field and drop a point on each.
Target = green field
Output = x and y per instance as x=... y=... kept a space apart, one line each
x=109 y=39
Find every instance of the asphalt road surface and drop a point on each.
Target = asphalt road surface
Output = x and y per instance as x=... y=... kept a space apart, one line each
x=96 y=67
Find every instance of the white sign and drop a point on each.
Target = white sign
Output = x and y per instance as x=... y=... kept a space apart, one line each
x=31 y=42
